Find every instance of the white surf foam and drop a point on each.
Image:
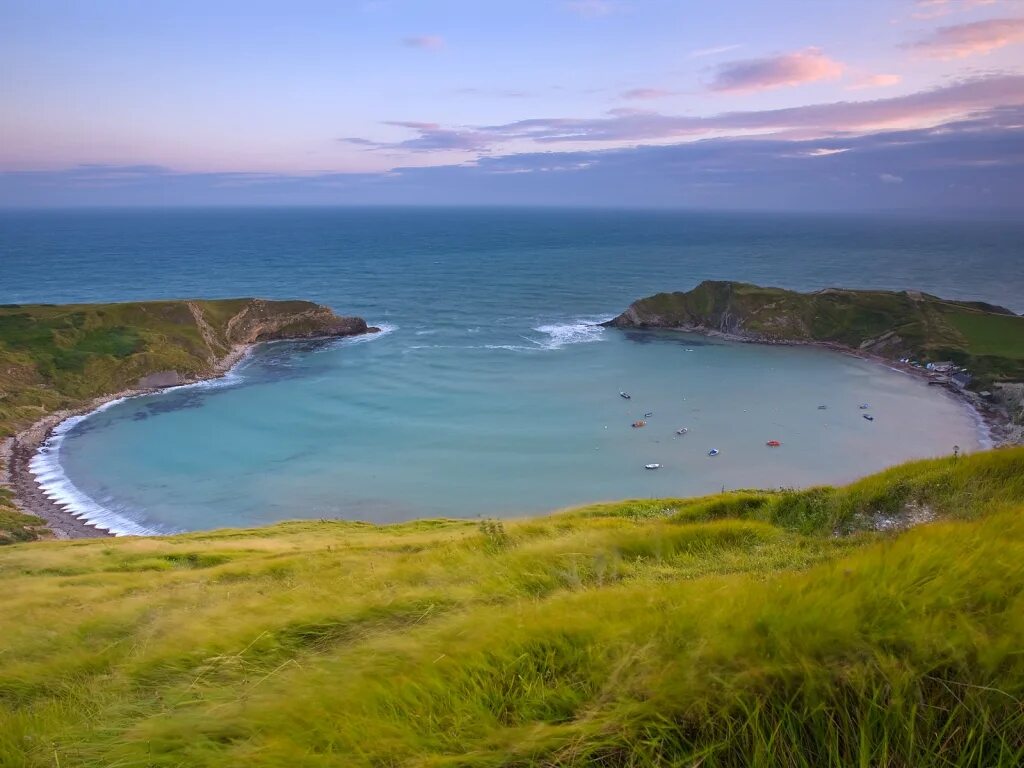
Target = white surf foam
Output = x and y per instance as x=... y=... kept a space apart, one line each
x=55 y=485
x=49 y=475
x=579 y=331
x=386 y=329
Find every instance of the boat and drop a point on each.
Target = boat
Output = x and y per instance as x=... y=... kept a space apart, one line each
x=639 y=423
x=713 y=452
x=869 y=417
x=652 y=466
x=864 y=406
x=822 y=407
x=773 y=443
x=624 y=395
x=682 y=431
x=648 y=414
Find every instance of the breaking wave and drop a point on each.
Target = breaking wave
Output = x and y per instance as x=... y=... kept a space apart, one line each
x=56 y=486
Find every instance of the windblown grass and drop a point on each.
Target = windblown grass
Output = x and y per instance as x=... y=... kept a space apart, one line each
x=731 y=630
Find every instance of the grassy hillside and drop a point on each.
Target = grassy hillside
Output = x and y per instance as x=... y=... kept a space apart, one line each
x=988 y=340
x=59 y=357
x=742 y=629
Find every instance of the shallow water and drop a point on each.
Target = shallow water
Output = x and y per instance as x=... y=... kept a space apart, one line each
x=492 y=392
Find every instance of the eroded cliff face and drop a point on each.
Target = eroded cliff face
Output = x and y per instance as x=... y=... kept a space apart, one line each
x=230 y=325
x=267 y=321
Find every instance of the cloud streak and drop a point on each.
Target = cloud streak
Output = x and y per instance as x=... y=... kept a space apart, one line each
x=874 y=81
x=646 y=93
x=815 y=119
x=789 y=69
x=978 y=38
x=622 y=126
x=426 y=42
x=969 y=164
x=430 y=137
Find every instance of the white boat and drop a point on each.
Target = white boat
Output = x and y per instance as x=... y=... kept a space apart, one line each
x=624 y=395
x=713 y=452
x=652 y=466
x=682 y=431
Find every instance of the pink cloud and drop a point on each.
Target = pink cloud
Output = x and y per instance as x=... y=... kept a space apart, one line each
x=911 y=110
x=874 y=81
x=787 y=69
x=812 y=121
x=977 y=38
x=429 y=42
x=645 y=93
x=934 y=9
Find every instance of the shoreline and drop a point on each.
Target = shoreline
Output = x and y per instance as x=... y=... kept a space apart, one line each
x=18 y=452
x=995 y=426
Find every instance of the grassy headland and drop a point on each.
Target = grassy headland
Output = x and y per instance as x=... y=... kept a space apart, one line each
x=59 y=358
x=747 y=628
x=985 y=339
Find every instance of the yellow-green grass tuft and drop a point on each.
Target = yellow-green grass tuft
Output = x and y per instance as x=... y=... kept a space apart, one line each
x=740 y=629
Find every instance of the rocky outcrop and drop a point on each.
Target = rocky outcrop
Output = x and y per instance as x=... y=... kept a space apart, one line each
x=888 y=324
x=268 y=321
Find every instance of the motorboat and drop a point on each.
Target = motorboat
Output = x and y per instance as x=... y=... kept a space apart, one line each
x=624 y=395
x=864 y=406
x=822 y=407
x=639 y=423
x=652 y=466
x=773 y=443
x=648 y=414
x=713 y=452
x=869 y=417
x=682 y=431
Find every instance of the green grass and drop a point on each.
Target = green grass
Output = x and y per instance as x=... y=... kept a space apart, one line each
x=55 y=357
x=740 y=629
x=988 y=340
x=997 y=335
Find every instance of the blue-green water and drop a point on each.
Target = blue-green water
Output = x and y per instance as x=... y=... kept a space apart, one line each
x=491 y=391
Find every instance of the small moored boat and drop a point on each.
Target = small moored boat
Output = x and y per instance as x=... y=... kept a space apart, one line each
x=869 y=417
x=864 y=406
x=624 y=395
x=648 y=414
x=773 y=443
x=639 y=423
x=822 y=407
x=682 y=431
x=713 y=452
x=652 y=466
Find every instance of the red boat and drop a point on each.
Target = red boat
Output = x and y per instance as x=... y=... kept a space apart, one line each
x=773 y=443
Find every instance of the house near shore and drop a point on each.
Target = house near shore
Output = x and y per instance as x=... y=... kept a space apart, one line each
x=961 y=379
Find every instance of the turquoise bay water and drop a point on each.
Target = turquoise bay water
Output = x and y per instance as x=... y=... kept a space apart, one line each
x=491 y=391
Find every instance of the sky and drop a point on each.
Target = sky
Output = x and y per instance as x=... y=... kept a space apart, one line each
x=735 y=104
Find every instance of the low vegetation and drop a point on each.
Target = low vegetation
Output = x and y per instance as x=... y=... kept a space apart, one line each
x=747 y=628
x=60 y=357
x=986 y=339
x=54 y=357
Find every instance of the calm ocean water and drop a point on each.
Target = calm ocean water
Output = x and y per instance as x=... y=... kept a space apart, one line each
x=491 y=392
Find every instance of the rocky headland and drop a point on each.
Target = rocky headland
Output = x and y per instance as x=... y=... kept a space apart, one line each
x=974 y=349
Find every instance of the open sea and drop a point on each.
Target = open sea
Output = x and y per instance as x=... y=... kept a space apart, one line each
x=491 y=390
